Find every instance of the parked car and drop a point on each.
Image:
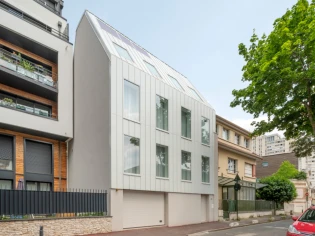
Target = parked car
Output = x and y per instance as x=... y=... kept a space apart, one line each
x=304 y=224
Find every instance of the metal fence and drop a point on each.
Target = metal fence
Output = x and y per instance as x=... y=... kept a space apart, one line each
x=16 y=204
x=248 y=205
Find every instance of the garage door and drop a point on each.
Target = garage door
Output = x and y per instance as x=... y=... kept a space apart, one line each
x=203 y=208
x=143 y=209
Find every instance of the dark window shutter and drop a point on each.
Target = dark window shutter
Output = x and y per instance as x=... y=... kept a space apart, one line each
x=38 y=157
x=6 y=147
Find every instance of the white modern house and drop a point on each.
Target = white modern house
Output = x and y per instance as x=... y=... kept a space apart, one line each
x=36 y=84
x=142 y=131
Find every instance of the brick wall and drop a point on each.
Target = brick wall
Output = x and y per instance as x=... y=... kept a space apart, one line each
x=59 y=158
x=57 y=227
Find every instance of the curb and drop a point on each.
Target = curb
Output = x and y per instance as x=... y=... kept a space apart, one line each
x=226 y=228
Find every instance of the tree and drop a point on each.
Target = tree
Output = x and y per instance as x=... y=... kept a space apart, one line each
x=280 y=72
x=278 y=189
x=288 y=171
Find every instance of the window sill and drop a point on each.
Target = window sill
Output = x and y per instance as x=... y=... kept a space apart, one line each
x=189 y=139
x=162 y=130
x=162 y=178
x=186 y=181
x=130 y=174
x=231 y=173
x=138 y=122
x=207 y=145
x=250 y=177
x=205 y=183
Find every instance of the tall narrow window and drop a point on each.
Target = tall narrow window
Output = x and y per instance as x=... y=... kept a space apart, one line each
x=152 y=69
x=232 y=166
x=186 y=165
x=205 y=168
x=161 y=161
x=6 y=152
x=248 y=170
x=205 y=131
x=186 y=123
x=161 y=113
x=225 y=134
x=176 y=83
x=123 y=52
x=131 y=101
x=132 y=155
x=237 y=139
x=195 y=94
x=246 y=142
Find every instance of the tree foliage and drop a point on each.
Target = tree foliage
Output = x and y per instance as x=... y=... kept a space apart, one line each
x=288 y=171
x=278 y=189
x=280 y=72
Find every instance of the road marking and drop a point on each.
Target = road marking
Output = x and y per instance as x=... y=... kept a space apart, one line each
x=274 y=227
x=246 y=234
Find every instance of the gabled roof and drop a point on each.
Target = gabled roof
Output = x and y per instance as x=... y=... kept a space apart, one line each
x=109 y=36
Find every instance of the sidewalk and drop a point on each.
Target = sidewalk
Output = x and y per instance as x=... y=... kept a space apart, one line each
x=185 y=230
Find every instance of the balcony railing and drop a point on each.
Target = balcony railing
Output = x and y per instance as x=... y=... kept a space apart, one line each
x=26 y=68
x=12 y=104
x=33 y=21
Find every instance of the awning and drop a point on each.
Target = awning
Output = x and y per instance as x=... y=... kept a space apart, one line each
x=226 y=182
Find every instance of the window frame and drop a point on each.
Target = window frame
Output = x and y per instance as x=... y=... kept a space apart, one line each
x=227 y=134
x=181 y=168
x=10 y=174
x=238 y=139
x=251 y=166
x=202 y=170
x=181 y=122
x=235 y=166
x=168 y=169
x=146 y=64
x=195 y=95
x=116 y=45
x=167 y=130
x=9 y=180
x=124 y=90
x=208 y=120
x=124 y=171
x=38 y=183
x=181 y=88
x=246 y=143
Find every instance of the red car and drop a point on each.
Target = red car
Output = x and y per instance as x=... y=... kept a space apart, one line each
x=303 y=225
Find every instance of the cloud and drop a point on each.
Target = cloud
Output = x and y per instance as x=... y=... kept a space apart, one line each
x=246 y=124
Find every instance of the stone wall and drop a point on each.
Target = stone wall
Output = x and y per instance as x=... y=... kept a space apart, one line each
x=57 y=227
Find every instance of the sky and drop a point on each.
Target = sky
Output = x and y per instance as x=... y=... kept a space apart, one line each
x=199 y=38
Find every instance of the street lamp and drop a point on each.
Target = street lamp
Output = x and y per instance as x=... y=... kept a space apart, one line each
x=237 y=187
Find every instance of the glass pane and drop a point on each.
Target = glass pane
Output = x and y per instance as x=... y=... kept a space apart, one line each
x=205 y=170
x=152 y=69
x=44 y=187
x=161 y=113
x=5 y=184
x=195 y=94
x=161 y=161
x=123 y=52
x=7 y=100
x=25 y=105
x=205 y=131
x=186 y=123
x=186 y=165
x=32 y=186
x=132 y=155
x=131 y=101
x=231 y=194
x=42 y=110
x=176 y=83
x=5 y=164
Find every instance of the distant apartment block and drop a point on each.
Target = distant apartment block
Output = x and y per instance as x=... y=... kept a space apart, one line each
x=267 y=145
x=307 y=164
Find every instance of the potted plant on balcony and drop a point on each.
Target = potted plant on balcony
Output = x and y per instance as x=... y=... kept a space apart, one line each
x=29 y=69
x=6 y=62
x=8 y=102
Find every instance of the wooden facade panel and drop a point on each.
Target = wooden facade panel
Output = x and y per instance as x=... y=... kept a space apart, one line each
x=60 y=161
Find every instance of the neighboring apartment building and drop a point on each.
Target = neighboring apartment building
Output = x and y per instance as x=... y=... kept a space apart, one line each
x=307 y=164
x=141 y=131
x=270 y=164
x=235 y=157
x=273 y=144
x=36 y=105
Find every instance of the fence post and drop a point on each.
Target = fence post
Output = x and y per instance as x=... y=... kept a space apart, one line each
x=41 y=231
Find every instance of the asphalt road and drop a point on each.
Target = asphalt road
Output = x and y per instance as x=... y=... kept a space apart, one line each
x=278 y=228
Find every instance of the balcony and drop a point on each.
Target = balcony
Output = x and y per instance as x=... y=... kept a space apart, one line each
x=18 y=72
x=20 y=14
x=26 y=106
